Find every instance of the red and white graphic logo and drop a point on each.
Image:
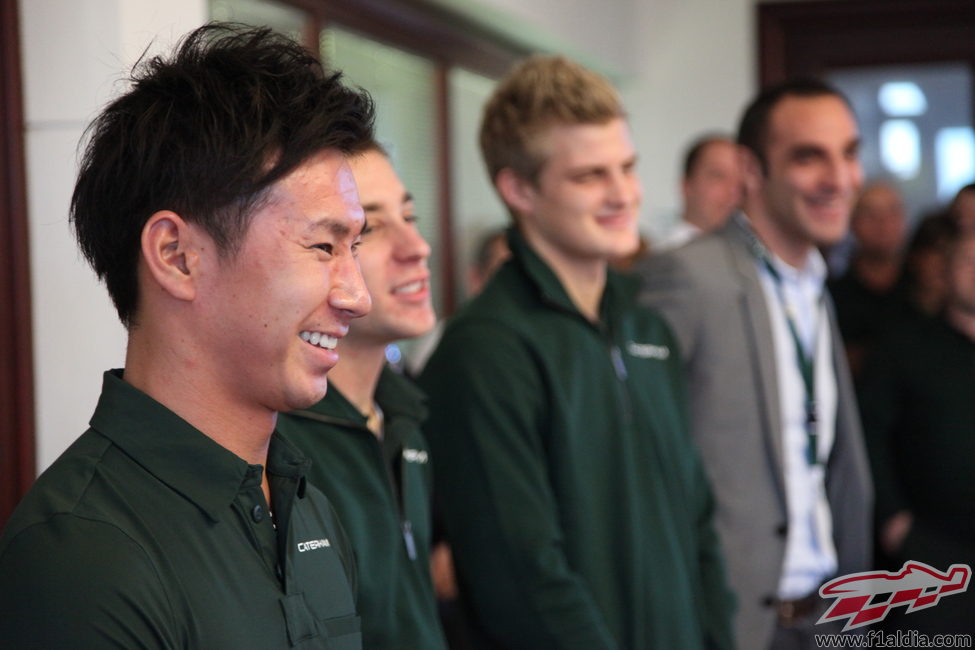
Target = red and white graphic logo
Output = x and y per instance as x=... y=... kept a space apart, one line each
x=863 y=597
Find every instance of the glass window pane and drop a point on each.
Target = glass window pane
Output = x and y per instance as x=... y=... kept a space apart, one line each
x=403 y=87
x=900 y=148
x=476 y=207
x=937 y=97
x=955 y=152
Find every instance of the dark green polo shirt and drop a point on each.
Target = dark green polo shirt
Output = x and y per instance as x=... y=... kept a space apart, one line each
x=146 y=533
x=575 y=502
x=381 y=491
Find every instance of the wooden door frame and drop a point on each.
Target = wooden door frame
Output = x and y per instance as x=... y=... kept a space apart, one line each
x=812 y=36
x=17 y=451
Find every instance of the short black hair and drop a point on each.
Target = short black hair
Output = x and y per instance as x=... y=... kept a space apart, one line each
x=205 y=133
x=753 y=128
x=697 y=147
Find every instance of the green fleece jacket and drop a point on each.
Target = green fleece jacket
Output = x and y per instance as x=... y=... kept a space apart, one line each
x=381 y=491
x=574 y=499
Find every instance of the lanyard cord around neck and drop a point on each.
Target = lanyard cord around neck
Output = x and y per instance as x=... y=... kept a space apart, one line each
x=806 y=360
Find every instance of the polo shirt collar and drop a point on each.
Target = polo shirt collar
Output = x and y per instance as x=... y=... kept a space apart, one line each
x=396 y=395
x=619 y=289
x=177 y=453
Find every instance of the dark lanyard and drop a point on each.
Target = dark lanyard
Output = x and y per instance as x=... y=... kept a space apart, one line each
x=806 y=361
x=807 y=367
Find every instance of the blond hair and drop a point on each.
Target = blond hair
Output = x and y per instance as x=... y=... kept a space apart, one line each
x=538 y=93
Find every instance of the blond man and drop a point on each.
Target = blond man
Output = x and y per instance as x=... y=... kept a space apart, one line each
x=573 y=499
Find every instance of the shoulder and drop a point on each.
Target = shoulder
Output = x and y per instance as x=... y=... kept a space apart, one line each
x=66 y=487
x=93 y=577
x=480 y=328
x=705 y=260
x=75 y=509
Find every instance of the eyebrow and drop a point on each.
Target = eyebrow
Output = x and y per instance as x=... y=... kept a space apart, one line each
x=334 y=226
x=583 y=169
x=375 y=207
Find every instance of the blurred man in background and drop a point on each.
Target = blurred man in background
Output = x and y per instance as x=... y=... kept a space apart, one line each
x=870 y=296
x=772 y=404
x=918 y=412
x=710 y=187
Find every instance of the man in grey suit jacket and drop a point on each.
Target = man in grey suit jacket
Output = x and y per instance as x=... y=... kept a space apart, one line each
x=773 y=410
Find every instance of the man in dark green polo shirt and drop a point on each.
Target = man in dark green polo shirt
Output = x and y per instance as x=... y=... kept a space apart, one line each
x=364 y=439
x=574 y=501
x=215 y=200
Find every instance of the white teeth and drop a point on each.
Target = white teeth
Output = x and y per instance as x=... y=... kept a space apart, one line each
x=410 y=288
x=328 y=342
x=319 y=339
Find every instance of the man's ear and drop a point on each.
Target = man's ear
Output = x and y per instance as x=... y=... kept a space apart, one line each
x=170 y=254
x=752 y=175
x=516 y=192
x=685 y=189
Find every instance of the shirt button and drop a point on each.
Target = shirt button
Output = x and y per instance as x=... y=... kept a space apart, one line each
x=257 y=514
x=278 y=572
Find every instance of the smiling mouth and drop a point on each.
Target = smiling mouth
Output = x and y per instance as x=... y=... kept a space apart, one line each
x=412 y=287
x=616 y=218
x=319 y=339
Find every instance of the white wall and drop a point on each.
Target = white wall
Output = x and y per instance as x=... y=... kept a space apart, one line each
x=74 y=54
x=695 y=71
x=683 y=65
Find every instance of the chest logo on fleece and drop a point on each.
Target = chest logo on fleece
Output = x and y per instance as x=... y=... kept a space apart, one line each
x=313 y=544
x=414 y=456
x=647 y=350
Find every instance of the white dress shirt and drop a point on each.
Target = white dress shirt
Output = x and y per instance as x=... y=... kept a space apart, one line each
x=810 y=556
x=678 y=235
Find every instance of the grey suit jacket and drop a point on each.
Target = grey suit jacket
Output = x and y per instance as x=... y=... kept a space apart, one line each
x=710 y=293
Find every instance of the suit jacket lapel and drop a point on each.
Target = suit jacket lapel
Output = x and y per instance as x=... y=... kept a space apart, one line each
x=761 y=350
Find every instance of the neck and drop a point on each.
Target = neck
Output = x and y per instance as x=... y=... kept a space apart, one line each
x=790 y=248
x=695 y=220
x=876 y=272
x=182 y=380
x=927 y=302
x=357 y=374
x=584 y=279
x=961 y=320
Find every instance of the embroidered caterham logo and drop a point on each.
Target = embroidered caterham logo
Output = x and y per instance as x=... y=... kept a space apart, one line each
x=313 y=544
x=647 y=350
x=415 y=456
